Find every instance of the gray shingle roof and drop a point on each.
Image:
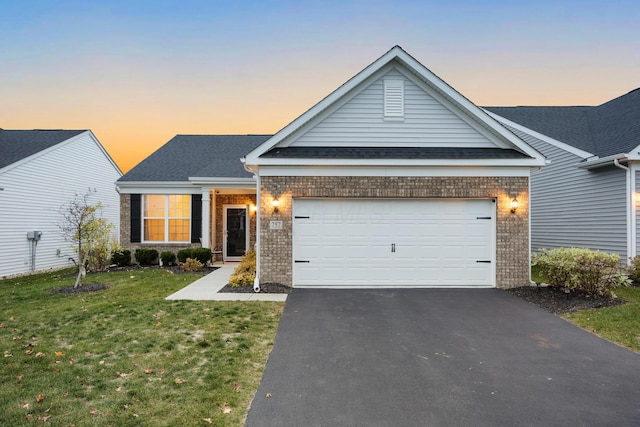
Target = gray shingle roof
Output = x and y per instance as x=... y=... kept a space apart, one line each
x=607 y=129
x=393 y=153
x=16 y=145
x=184 y=156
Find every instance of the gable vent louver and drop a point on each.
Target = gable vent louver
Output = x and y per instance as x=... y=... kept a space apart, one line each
x=394 y=98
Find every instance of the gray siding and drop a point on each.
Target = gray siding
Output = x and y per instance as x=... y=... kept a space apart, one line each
x=360 y=121
x=573 y=207
x=34 y=192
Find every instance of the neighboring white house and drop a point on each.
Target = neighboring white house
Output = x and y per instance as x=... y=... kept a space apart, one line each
x=40 y=171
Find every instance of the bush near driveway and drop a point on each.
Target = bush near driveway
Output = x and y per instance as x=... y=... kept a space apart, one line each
x=593 y=272
x=124 y=356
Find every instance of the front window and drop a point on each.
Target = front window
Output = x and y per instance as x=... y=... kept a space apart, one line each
x=167 y=218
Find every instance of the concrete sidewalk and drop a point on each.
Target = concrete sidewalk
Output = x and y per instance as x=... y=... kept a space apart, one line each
x=207 y=287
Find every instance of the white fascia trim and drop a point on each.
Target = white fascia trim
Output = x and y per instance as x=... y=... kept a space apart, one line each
x=542 y=137
x=106 y=153
x=395 y=171
x=634 y=154
x=157 y=187
x=529 y=162
x=224 y=182
x=599 y=162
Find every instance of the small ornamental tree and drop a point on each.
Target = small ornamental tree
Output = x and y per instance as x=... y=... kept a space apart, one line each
x=83 y=226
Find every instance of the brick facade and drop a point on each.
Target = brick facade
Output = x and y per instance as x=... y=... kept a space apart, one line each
x=512 y=229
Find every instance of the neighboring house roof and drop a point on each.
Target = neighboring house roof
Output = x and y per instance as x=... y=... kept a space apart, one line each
x=604 y=130
x=186 y=156
x=16 y=145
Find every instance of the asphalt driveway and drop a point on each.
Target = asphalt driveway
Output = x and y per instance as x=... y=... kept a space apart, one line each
x=439 y=357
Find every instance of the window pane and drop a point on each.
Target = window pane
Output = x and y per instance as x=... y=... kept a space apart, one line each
x=179 y=206
x=154 y=205
x=179 y=230
x=154 y=230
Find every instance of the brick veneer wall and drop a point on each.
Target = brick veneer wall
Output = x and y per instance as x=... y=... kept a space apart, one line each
x=512 y=229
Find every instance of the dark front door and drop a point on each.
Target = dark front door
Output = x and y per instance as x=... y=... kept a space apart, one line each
x=236 y=232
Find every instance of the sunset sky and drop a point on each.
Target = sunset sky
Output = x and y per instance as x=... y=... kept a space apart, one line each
x=138 y=72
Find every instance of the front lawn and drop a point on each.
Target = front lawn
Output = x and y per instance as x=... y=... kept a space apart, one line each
x=620 y=324
x=125 y=356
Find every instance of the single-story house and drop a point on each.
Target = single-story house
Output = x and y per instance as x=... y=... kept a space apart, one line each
x=587 y=195
x=40 y=171
x=393 y=179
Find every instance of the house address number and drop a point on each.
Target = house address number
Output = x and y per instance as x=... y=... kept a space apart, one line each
x=275 y=225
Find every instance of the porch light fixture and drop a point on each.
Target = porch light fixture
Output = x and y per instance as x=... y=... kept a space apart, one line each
x=275 y=204
x=514 y=205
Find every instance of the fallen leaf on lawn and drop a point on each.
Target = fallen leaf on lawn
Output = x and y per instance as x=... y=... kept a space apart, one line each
x=46 y=418
x=85 y=310
x=161 y=371
x=58 y=353
x=119 y=388
x=17 y=338
x=19 y=377
x=132 y=277
x=236 y=387
x=39 y=354
x=101 y=362
x=40 y=398
x=26 y=406
x=87 y=354
x=207 y=420
x=29 y=417
x=226 y=408
x=158 y=324
x=135 y=415
x=7 y=354
x=178 y=381
x=93 y=411
x=268 y=395
x=2 y=326
x=11 y=318
x=148 y=371
x=29 y=352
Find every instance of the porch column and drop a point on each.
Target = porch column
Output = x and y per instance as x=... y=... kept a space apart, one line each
x=206 y=219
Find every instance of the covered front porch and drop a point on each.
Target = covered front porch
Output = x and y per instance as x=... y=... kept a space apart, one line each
x=229 y=221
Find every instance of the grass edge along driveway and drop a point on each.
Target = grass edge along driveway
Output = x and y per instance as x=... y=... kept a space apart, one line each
x=125 y=356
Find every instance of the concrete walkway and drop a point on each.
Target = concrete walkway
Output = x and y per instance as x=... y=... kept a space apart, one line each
x=207 y=287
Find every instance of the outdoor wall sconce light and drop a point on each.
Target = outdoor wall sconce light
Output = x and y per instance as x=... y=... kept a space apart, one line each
x=514 y=205
x=253 y=208
x=275 y=204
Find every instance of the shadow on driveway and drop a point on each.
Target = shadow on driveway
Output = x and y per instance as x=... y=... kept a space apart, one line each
x=439 y=357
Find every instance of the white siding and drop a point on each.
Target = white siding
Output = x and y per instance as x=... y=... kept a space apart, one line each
x=361 y=122
x=573 y=207
x=34 y=192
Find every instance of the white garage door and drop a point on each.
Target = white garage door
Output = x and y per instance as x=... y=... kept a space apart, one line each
x=393 y=243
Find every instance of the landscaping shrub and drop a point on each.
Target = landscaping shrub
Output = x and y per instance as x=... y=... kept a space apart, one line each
x=121 y=257
x=167 y=257
x=201 y=254
x=245 y=272
x=183 y=254
x=582 y=269
x=146 y=256
x=634 y=268
x=191 y=264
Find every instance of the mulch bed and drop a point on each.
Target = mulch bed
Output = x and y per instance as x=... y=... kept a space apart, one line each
x=265 y=288
x=556 y=301
x=85 y=287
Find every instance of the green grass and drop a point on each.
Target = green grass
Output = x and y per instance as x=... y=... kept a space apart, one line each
x=620 y=324
x=124 y=356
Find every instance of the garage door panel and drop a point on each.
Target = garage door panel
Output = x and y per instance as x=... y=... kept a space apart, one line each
x=393 y=242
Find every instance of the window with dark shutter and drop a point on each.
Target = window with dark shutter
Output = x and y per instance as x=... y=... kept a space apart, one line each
x=196 y=218
x=136 y=218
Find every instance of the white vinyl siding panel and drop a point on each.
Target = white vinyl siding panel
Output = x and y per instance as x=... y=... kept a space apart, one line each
x=574 y=207
x=34 y=192
x=361 y=122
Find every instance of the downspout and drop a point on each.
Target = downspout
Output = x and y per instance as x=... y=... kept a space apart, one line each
x=629 y=198
x=533 y=171
x=256 y=281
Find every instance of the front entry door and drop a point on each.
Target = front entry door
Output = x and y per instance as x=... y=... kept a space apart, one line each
x=236 y=232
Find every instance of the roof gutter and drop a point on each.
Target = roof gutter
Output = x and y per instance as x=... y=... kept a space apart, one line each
x=604 y=161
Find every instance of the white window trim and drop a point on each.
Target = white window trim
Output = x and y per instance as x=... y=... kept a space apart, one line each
x=165 y=218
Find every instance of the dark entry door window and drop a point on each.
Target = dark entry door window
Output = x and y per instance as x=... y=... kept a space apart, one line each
x=236 y=232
